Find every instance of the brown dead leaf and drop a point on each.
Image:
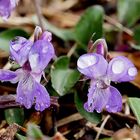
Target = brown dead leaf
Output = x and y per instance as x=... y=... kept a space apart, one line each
x=58 y=136
x=135 y=58
x=124 y=134
x=59 y=5
x=3 y=54
x=9 y=133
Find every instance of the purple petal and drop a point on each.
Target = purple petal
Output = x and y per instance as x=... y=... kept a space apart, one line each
x=40 y=55
x=6 y=6
x=29 y=91
x=90 y=105
x=97 y=99
x=7 y=75
x=115 y=100
x=121 y=69
x=20 y=75
x=101 y=98
x=19 y=50
x=25 y=91
x=42 y=98
x=92 y=65
x=13 y=3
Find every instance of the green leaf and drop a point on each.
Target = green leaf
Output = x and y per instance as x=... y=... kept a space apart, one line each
x=135 y=106
x=62 y=77
x=90 y=22
x=137 y=34
x=106 y=139
x=33 y=131
x=64 y=34
x=8 y=35
x=14 y=115
x=92 y=117
x=62 y=62
x=128 y=11
x=20 y=137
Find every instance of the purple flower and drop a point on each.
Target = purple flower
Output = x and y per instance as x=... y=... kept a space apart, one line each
x=6 y=6
x=33 y=57
x=101 y=94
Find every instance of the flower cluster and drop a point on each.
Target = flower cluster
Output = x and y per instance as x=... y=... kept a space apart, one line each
x=101 y=94
x=33 y=57
x=6 y=6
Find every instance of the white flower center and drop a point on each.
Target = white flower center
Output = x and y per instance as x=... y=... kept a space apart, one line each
x=45 y=49
x=86 y=61
x=118 y=67
x=34 y=60
x=103 y=83
x=27 y=82
x=16 y=47
x=132 y=71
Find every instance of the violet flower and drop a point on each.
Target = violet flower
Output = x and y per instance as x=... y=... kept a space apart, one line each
x=101 y=94
x=33 y=57
x=6 y=6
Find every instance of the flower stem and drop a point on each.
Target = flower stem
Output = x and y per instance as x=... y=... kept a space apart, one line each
x=39 y=13
x=119 y=25
x=72 y=50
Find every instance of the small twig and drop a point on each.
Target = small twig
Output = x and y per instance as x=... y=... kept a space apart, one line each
x=127 y=109
x=72 y=50
x=39 y=13
x=3 y=123
x=80 y=133
x=102 y=127
x=7 y=66
x=69 y=119
x=95 y=128
x=58 y=136
x=7 y=101
x=128 y=117
x=118 y=25
x=23 y=129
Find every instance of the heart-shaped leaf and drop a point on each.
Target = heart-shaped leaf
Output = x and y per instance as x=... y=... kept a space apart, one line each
x=92 y=117
x=33 y=131
x=128 y=11
x=90 y=22
x=14 y=115
x=20 y=137
x=62 y=77
x=135 y=106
